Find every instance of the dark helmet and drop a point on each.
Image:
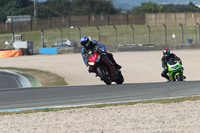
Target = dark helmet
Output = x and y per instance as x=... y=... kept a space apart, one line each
x=166 y=52
x=85 y=41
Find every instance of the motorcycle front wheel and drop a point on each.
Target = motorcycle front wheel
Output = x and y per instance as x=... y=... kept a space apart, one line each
x=103 y=73
x=120 y=79
x=179 y=77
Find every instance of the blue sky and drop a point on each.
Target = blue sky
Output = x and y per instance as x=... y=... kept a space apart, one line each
x=128 y=4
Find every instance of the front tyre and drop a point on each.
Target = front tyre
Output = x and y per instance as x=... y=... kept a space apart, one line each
x=120 y=79
x=103 y=73
x=179 y=77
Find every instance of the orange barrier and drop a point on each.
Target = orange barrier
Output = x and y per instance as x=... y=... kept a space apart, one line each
x=11 y=53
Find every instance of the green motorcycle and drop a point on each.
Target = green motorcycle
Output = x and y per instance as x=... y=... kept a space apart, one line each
x=175 y=70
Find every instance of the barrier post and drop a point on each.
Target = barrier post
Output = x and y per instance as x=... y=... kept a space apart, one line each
x=182 y=32
x=199 y=31
x=165 y=34
x=149 y=28
x=61 y=37
x=42 y=32
x=13 y=36
x=68 y=33
x=79 y=31
x=98 y=33
x=115 y=35
x=133 y=33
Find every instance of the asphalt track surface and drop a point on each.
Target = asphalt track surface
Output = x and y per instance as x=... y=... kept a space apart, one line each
x=13 y=99
x=9 y=80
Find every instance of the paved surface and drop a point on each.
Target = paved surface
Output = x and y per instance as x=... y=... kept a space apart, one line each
x=8 y=80
x=11 y=79
x=80 y=95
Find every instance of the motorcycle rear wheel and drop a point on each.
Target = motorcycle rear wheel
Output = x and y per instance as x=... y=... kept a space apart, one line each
x=103 y=73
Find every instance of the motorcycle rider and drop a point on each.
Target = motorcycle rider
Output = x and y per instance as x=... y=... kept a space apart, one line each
x=89 y=44
x=166 y=57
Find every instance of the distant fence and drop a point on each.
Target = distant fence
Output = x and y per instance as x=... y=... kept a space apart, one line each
x=75 y=21
x=186 y=19
x=116 y=36
x=113 y=30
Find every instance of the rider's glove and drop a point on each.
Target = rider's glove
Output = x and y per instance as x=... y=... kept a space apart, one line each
x=103 y=52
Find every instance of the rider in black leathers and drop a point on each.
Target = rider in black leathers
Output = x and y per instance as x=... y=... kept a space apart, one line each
x=166 y=57
x=88 y=45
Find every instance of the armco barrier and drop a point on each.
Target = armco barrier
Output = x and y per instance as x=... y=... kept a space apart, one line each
x=11 y=53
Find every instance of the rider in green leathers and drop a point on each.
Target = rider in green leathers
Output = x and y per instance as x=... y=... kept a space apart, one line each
x=166 y=57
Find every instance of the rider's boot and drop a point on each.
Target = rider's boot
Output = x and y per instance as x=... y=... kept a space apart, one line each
x=165 y=76
x=90 y=70
x=110 y=56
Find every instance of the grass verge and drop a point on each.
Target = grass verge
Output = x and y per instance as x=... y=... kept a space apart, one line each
x=45 y=78
x=161 y=101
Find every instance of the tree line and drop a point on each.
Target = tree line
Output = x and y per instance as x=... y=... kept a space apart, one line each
x=59 y=8
x=150 y=7
x=56 y=8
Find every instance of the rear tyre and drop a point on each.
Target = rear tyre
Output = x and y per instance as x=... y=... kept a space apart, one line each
x=103 y=73
x=179 y=77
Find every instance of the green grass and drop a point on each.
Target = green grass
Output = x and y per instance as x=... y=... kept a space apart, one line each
x=107 y=35
x=161 y=101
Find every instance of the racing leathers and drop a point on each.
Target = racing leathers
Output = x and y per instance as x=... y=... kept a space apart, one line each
x=164 y=64
x=97 y=45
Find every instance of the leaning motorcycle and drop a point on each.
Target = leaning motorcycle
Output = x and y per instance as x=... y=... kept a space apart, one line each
x=175 y=70
x=103 y=67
